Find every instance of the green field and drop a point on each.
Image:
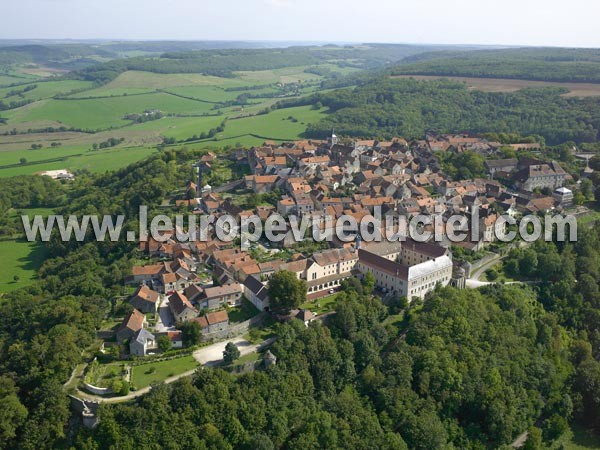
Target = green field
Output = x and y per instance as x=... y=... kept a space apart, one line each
x=212 y=94
x=192 y=105
x=149 y=80
x=281 y=124
x=153 y=372
x=114 y=92
x=19 y=258
x=72 y=158
x=180 y=127
x=106 y=112
x=283 y=75
x=44 y=89
x=6 y=80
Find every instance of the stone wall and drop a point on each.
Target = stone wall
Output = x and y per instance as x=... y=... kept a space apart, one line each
x=236 y=329
x=97 y=390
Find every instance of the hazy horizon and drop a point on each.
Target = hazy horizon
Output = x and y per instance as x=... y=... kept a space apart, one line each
x=463 y=22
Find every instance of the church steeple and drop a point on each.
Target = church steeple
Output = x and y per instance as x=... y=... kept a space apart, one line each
x=333 y=139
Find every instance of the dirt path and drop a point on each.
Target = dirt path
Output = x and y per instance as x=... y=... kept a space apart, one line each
x=520 y=440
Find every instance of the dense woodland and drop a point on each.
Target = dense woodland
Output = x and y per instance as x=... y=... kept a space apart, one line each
x=544 y=64
x=386 y=107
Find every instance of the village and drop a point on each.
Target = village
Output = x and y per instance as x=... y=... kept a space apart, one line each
x=222 y=289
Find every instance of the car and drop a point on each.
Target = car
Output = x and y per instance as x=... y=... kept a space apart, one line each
x=331 y=291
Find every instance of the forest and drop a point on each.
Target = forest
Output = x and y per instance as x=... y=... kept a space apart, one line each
x=387 y=107
x=461 y=373
x=223 y=62
x=543 y=64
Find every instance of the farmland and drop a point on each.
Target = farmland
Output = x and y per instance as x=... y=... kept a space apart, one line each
x=513 y=85
x=39 y=90
x=109 y=112
x=191 y=105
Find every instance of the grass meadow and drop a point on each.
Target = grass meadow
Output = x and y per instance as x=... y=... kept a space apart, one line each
x=19 y=258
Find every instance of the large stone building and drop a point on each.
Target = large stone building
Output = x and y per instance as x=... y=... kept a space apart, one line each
x=410 y=269
x=324 y=270
x=539 y=175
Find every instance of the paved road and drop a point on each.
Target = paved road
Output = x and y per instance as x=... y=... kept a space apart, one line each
x=166 y=321
x=477 y=273
x=212 y=355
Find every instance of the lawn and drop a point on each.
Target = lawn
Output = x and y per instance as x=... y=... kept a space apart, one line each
x=242 y=361
x=153 y=372
x=321 y=305
x=19 y=258
x=242 y=313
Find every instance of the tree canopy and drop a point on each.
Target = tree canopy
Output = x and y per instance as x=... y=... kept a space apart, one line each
x=286 y=291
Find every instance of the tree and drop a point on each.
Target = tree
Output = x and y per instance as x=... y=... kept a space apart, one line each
x=352 y=284
x=16 y=278
x=191 y=333
x=164 y=343
x=555 y=427
x=587 y=188
x=491 y=274
x=286 y=292
x=369 y=283
x=12 y=412
x=578 y=198
x=534 y=439
x=23 y=161
x=398 y=303
x=124 y=388
x=231 y=353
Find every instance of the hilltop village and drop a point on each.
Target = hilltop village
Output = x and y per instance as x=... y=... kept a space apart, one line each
x=200 y=282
